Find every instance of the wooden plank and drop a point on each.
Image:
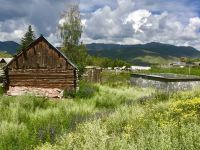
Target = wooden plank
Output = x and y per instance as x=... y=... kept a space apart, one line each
x=43 y=67
x=40 y=71
x=13 y=77
x=40 y=84
x=32 y=81
x=42 y=75
x=46 y=86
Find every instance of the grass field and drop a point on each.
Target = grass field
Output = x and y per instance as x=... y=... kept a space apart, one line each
x=185 y=71
x=115 y=116
x=159 y=124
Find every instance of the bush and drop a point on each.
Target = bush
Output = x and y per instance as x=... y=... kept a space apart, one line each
x=69 y=93
x=87 y=90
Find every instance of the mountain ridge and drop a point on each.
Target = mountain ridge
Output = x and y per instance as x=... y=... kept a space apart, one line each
x=143 y=54
x=9 y=46
x=139 y=54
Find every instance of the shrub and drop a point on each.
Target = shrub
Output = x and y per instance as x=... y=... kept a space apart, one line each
x=69 y=93
x=87 y=90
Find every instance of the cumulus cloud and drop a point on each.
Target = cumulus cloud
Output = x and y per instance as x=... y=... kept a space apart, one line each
x=12 y=30
x=43 y=15
x=132 y=22
x=138 y=19
x=113 y=21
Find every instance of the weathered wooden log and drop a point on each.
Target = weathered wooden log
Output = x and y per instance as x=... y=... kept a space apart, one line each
x=41 y=65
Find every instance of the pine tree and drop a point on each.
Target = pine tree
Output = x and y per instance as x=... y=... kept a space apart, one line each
x=28 y=38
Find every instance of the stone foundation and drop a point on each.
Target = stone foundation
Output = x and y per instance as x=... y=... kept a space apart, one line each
x=166 y=84
x=46 y=92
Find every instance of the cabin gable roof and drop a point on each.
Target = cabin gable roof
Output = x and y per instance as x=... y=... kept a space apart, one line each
x=41 y=38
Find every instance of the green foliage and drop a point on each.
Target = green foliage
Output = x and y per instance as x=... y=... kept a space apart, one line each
x=70 y=33
x=69 y=93
x=106 y=62
x=78 y=56
x=71 y=28
x=185 y=71
x=28 y=38
x=86 y=90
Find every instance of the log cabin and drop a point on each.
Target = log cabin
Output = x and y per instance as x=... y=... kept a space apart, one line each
x=40 y=69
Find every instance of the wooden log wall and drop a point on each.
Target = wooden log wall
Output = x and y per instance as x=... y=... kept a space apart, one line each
x=42 y=66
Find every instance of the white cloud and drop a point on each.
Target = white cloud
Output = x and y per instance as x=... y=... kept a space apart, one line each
x=128 y=24
x=13 y=36
x=53 y=38
x=113 y=21
x=11 y=30
x=83 y=22
x=138 y=19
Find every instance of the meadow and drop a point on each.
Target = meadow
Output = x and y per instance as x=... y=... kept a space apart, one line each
x=111 y=115
x=186 y=70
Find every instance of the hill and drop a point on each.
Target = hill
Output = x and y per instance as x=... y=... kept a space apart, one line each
x=4 y=54
x=143 y=54
x=139 y=54
x=9 y=47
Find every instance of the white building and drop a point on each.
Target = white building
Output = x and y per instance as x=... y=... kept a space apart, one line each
x=135 y=68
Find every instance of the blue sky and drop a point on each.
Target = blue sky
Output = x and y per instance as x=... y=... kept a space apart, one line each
x=107 y=21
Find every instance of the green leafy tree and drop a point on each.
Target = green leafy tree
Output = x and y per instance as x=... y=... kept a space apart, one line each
x=70 y=33
x=27 y=39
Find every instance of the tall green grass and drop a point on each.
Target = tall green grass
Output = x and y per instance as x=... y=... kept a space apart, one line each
x=28 y=121
x=166 y=124
x=115 y=79
x=114 y=116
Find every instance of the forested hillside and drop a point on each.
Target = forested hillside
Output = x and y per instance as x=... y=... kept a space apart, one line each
x=143 y=54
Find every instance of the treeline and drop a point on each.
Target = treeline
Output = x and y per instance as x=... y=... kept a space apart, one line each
x=106 y=62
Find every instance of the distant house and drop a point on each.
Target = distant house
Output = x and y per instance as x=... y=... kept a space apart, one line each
x=196 y=63
x=5 y=60
x=135 y=68
x=40 y=69
x=178 y=64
